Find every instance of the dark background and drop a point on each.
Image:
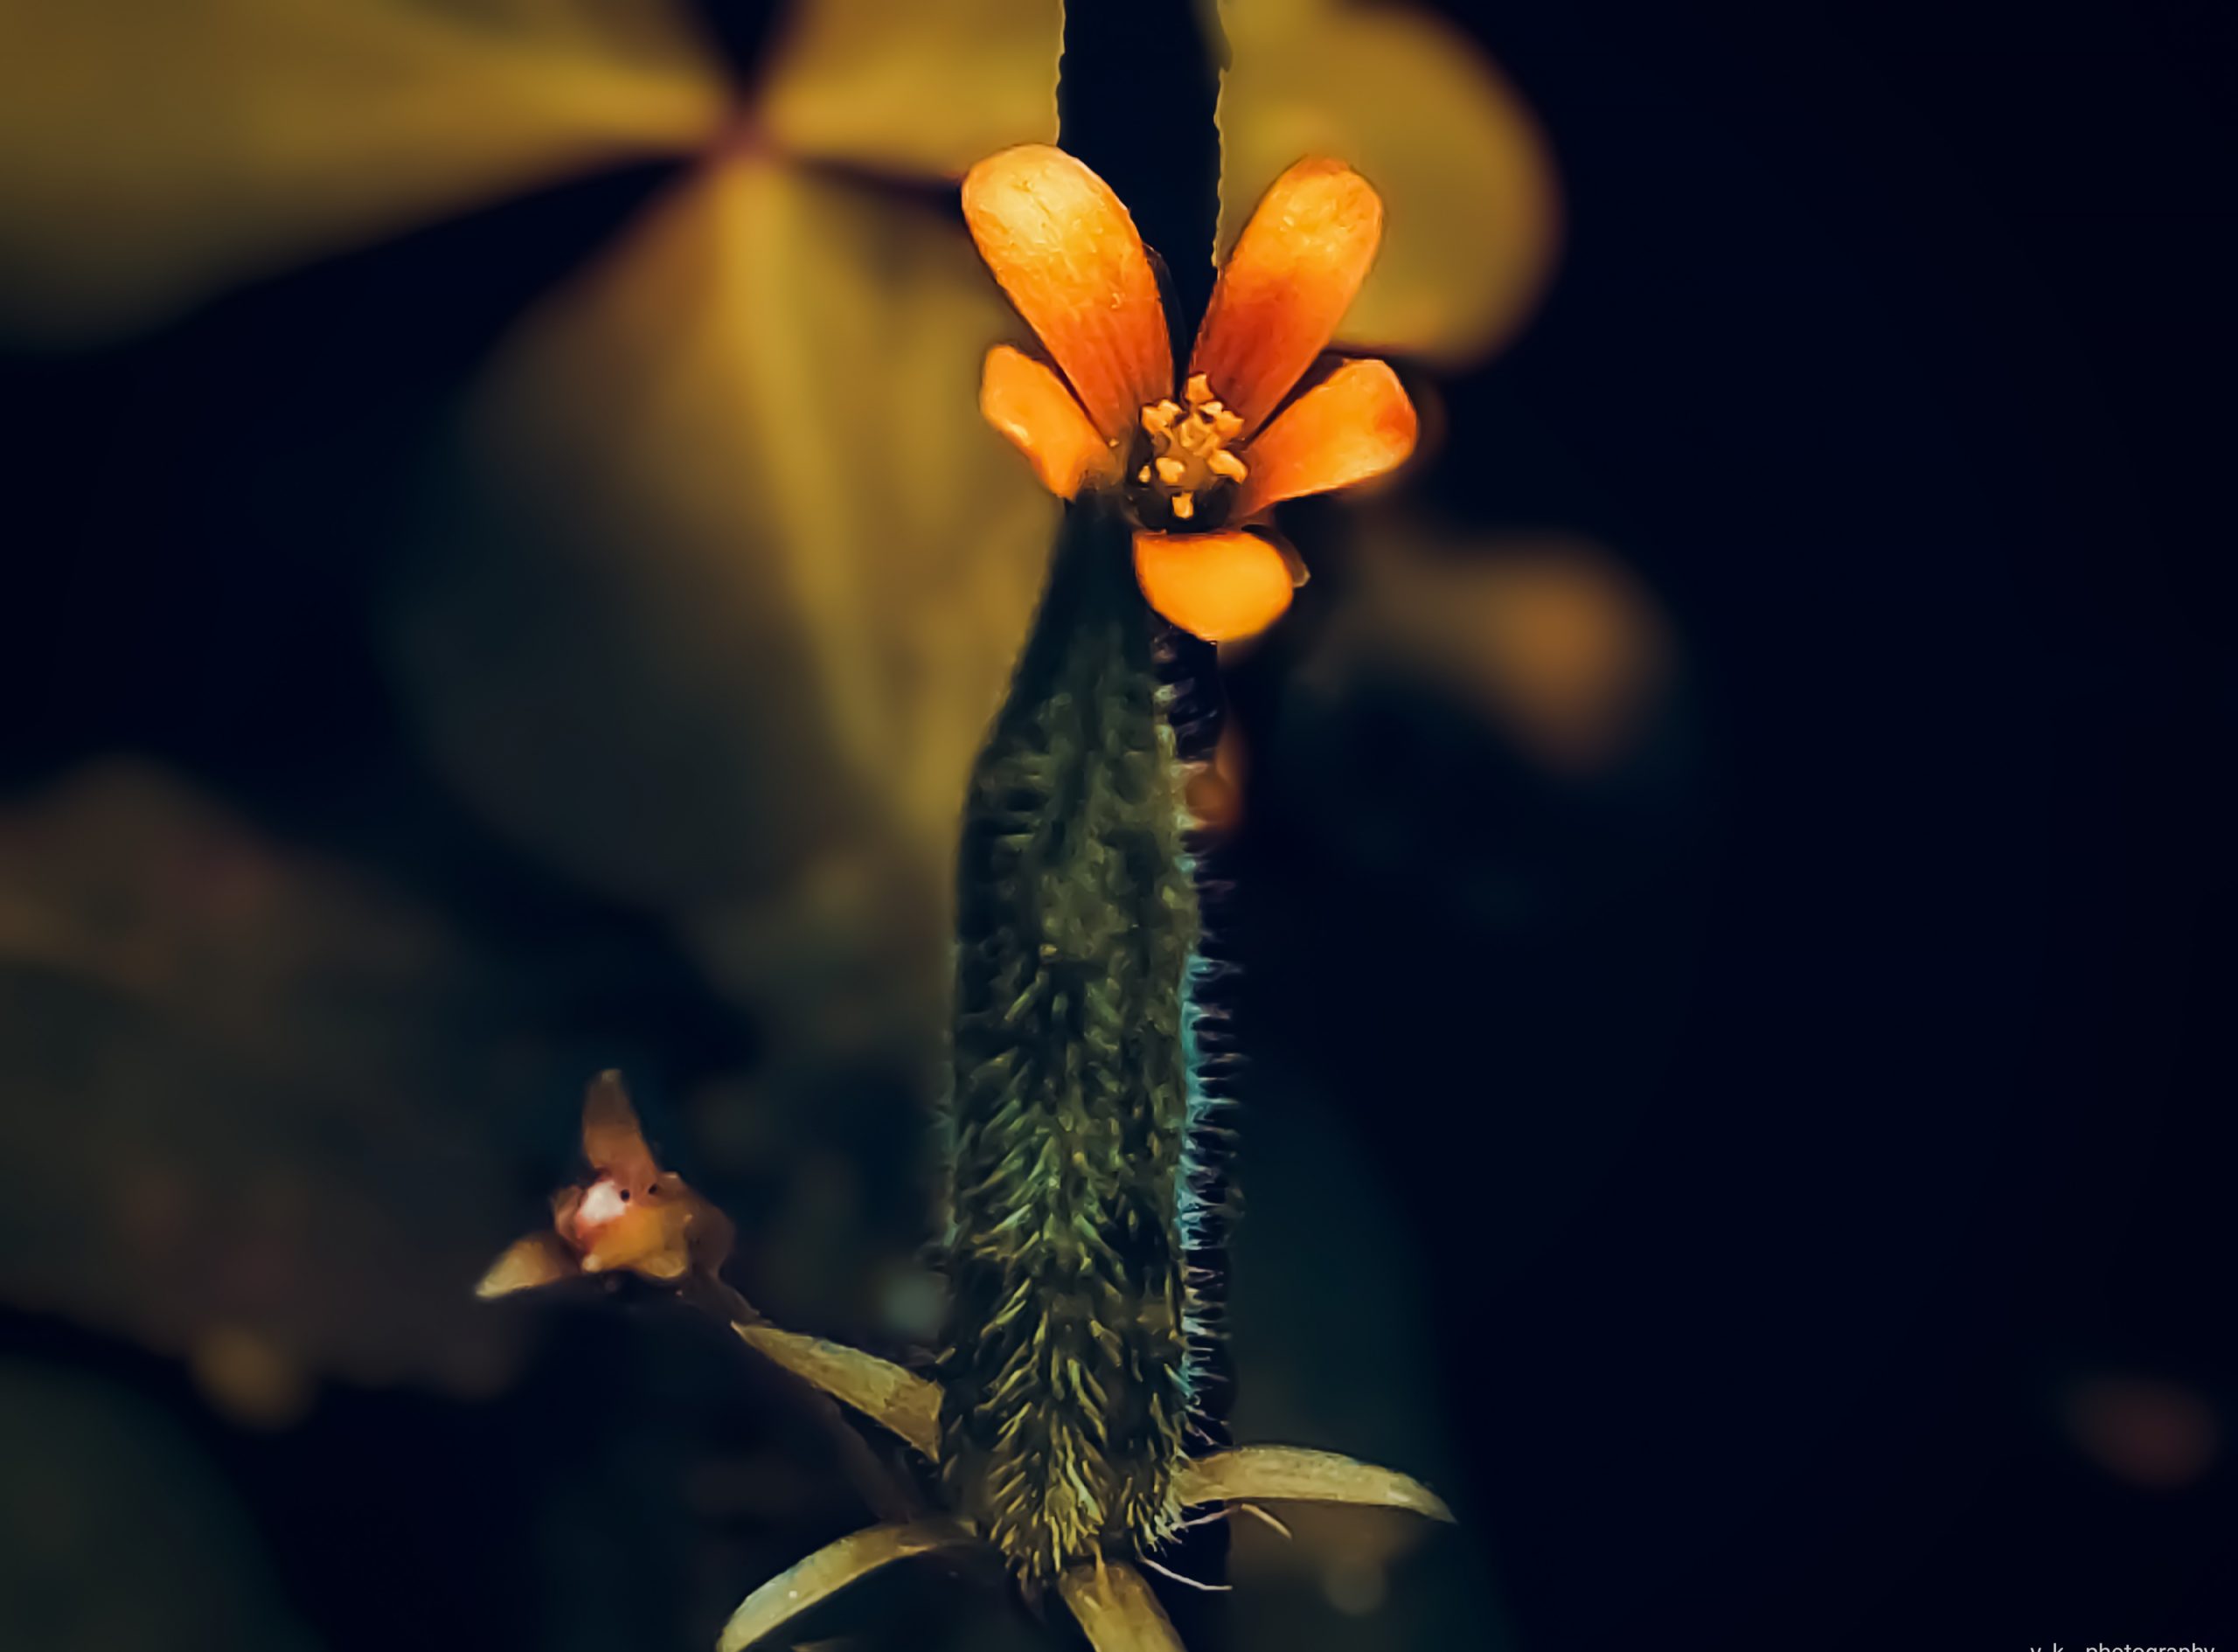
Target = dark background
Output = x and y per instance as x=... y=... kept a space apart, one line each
x=1798 y=1134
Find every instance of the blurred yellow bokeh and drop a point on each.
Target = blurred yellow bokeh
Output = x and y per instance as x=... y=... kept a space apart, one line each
x=1466 y=176
x=154 y=152
x=734 y=599
x=1549 y=637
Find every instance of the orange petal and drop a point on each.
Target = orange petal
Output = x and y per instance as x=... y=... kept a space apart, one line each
x=1286 y=283
x=709 y=1233
x=1029 y=404
x=1065 y=250
x=654 y=1241
x=538 y=1259
x=1355 y=424
x=612 y=1139
x=1217 y=586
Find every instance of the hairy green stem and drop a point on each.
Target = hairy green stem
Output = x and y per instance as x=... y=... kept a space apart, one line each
x=1064 y=1373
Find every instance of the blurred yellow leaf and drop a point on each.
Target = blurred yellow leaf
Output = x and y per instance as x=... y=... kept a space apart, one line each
x=749 y=575
x=155 y=151
x=1474 y=206
x=271 y=1099
x=926 y=87
x=1555 y=638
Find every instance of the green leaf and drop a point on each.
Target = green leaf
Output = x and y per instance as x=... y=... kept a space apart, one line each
x=889 y=1395
x=1117 y=1610
x=1293 y=1474
x=825 y=1573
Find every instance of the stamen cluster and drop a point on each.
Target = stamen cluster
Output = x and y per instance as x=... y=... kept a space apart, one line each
x=1188 y=453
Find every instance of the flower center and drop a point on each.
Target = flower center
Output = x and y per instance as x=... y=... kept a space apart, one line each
x=604 y=1202
x=1187 y=455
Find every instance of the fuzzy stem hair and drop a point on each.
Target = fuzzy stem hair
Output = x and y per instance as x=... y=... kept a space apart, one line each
x=1065 y=1366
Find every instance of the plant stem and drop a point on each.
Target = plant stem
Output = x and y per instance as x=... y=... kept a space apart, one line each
x=1136 y=99
x=1066 y=1370
x=1065 y=1366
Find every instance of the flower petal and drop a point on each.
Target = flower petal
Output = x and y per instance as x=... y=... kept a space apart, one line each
x=653 y=1241
x=923 y=89
x=613 y=1141
x=1215 y=586
x=708 y=1233
x=1065 y=250
x=1354 y=425
x=152 y=153
x=1286 y=284
x=1456 y=152
x=1028 y=403
x=538 y=1259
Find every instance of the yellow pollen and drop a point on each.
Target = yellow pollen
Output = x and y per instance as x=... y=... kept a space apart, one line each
x=1189 y=447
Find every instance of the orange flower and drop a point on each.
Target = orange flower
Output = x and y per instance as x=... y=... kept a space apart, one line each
x=632 y=1215
x=1193 y=471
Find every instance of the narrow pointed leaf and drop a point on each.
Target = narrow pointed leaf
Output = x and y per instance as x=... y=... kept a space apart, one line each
x=889 y=1395
x=1117 y=1610
x=825 y=1573
x=1293 y=1474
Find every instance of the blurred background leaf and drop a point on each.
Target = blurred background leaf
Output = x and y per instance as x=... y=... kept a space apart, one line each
x=738 y=585
x=271 y=1098
x=1473 y=213
x=120 y=1533
x=924 y=89
x=1550 y=637
x=153 y=153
